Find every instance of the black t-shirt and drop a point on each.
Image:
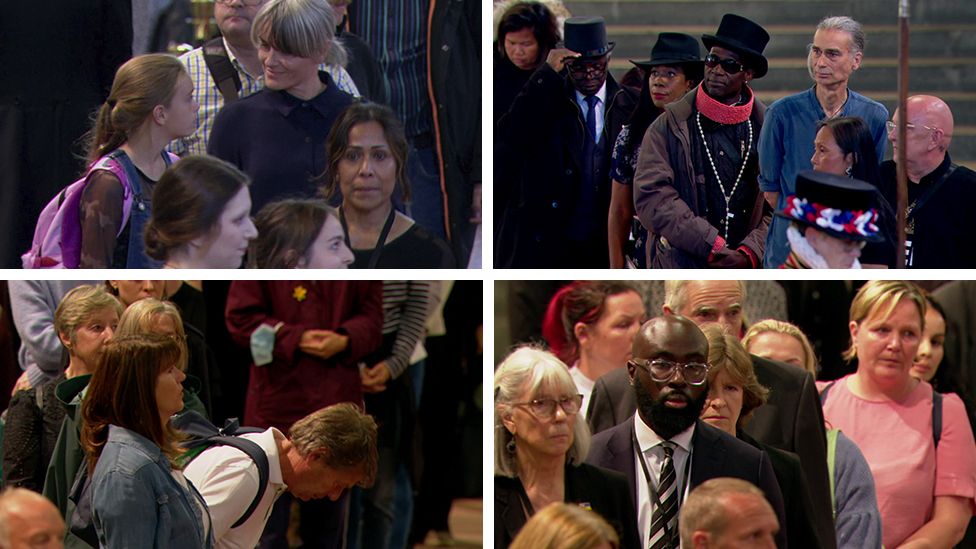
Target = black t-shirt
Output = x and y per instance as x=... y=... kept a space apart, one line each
x=417 y=248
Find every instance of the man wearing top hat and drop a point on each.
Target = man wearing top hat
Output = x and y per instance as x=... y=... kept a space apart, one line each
x=831 y=219
x=559 y=131
x=674 y=69
x=696 y=184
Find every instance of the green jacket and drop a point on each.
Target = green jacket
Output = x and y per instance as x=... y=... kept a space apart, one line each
x=68 y=455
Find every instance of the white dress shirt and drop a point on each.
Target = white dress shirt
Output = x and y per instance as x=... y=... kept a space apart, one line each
x=583 y=384
x=650 y=447
x=228 y=481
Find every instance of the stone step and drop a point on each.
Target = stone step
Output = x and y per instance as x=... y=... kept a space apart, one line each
x=772 y=12
x=635 y=41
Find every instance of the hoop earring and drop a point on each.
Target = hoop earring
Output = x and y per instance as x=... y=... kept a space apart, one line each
x=848 y=171
x=510 y=446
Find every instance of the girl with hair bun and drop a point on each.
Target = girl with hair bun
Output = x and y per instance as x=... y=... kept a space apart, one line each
x=202 y=216
x=151 y=103
x=299 y=234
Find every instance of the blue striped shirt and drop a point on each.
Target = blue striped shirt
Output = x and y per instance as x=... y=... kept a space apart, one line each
x=208 y=96
x=396 y=30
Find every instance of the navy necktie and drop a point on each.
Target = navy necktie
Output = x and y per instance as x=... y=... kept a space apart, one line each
x=591 y=103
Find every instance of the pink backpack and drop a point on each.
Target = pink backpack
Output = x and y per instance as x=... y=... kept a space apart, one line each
x=57 y=235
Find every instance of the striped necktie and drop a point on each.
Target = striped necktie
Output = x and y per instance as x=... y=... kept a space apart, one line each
x=664 y=521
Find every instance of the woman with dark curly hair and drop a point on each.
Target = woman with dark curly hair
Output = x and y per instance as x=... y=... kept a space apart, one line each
x=526 y=33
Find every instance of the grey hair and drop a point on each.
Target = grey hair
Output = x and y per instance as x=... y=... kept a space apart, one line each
x=305 y=28
x=676 y=293
x=527 y=370
x=848 y=25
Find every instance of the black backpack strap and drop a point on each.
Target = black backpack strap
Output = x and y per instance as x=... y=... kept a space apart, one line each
x=936 y=417
x=823 y=393
x=256 y=453
x=222 y=70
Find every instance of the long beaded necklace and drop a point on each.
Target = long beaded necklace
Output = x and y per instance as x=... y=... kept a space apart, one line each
x=745 y=160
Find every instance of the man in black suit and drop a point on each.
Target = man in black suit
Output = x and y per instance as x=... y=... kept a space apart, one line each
x=791 y=419
x=678 y=451
x=555 y=142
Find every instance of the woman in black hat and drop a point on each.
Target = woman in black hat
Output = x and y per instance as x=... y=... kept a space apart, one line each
x=675 y=67
x=832 y=220
x=526 y=33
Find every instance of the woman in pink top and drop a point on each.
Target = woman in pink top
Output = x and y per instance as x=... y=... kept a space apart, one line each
x=925 y=494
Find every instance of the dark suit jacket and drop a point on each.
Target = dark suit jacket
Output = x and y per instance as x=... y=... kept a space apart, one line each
x=791 y=420
x=796 y=497
x=606 y=492
x=714 y=454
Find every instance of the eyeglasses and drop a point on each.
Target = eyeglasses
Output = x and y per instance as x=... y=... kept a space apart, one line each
x=730 y=66
x=661 y=370
x=545 y=408
x=891 y=126
x=579 y=67
x=249 y=3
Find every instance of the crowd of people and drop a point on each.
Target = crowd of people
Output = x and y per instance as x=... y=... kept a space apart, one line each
x=709 y=423
x=362 y=112
x=122 y=422
x=644 y=173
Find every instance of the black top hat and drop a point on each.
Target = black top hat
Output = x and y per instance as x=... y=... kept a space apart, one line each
x=744 y=37
x=674 y=48
x=839 y=206
x=586 y=36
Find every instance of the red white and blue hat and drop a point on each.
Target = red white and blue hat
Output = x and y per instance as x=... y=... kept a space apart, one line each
x=839 y=206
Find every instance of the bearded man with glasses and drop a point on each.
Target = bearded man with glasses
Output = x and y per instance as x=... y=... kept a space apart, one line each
x=665 y=450
x=696 y=185
x=940 y=193
x=540 y=442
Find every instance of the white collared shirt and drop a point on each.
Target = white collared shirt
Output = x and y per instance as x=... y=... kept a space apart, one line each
x=600 y=106
x=583 y=384
x=228 y=481
x=650 y=447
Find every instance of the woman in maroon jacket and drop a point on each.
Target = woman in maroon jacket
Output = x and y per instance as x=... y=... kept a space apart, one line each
x=306 y=339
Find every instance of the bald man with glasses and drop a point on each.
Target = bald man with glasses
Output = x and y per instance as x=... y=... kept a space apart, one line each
x=940 y=193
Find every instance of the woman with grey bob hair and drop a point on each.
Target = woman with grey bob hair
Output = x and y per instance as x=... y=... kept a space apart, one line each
x=304 y=28
x=541 y=439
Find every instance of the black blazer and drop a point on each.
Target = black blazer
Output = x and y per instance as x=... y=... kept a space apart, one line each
x=791 y=420
x=606 y=492
x=714 y=454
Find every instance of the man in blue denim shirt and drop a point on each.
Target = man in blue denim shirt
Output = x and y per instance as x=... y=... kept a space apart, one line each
x=786 y=140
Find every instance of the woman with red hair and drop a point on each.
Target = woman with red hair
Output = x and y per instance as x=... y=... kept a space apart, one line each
x=590 y=325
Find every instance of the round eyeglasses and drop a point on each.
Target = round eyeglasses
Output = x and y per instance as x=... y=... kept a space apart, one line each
x=545 y=408
x=662 y=370
x=730 y=66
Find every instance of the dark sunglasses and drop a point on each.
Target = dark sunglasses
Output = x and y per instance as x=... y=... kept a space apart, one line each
x=730 y=66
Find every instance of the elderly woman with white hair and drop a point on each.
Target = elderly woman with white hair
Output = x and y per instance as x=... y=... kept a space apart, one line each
x=541 y=440
x=292 y=116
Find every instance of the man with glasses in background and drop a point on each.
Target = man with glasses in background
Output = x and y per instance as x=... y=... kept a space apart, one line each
x=940 y=193
x=786 y=141
x=696 y=186
x=227 y=68
x=559 y=132
x=665 y=450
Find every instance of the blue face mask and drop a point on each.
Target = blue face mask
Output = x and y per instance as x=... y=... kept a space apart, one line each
x=262 y=344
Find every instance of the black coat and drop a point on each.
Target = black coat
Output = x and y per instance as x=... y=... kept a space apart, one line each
x=714 y=454
x=791 y=420
x=942 y=225
x=543 y=135
x=606 y=492
x=363 y=68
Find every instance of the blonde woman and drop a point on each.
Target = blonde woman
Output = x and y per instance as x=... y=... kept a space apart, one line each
x=857 y=521
x=566 y=526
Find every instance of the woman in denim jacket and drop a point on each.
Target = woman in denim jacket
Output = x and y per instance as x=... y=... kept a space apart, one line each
x=139 y=495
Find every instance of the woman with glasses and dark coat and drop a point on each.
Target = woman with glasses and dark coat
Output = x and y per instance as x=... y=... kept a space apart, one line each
x=541 y=440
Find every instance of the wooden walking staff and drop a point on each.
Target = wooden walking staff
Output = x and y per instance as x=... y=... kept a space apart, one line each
x=902 y=175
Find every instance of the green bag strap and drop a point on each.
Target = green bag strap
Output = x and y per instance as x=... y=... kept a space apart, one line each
x=831 y=455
